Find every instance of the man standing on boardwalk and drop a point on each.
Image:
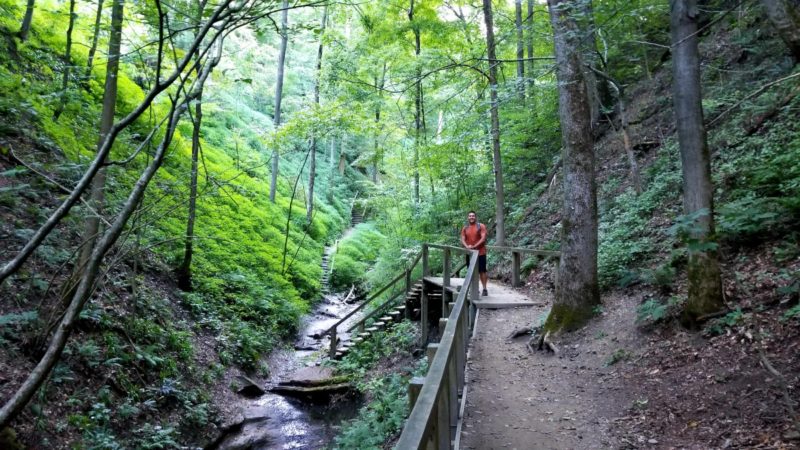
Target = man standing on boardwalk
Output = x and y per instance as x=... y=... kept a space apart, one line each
x=473 y=237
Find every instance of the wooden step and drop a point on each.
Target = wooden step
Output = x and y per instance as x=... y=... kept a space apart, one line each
x=357 y=340
x=372 y=329
x=364 y=335
x=379 y=324
x=395 y=316
x=385 y=318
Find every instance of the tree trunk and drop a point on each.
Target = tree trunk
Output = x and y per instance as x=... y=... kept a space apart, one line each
x=26 y=21
x=332 y=176
x=529 y=41
x=588 y=51
x=95 y=38
x=578 y=290
x=184 y=271
x=417 y=99
x=312 y=167
x=380 y=83
x=785 y=17
x=273 y=181
x=636 y=179
x=705 y=285
x=67 y=63
x=520 y=49
x=494 y=114
x=97 y=196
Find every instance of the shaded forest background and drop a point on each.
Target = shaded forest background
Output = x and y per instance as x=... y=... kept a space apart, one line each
x=401 y=133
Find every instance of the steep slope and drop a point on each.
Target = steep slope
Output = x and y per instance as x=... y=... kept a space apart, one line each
x=147 y=363
x=712 y=388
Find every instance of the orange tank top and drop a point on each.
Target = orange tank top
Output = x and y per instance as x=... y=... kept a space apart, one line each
x=472 y=234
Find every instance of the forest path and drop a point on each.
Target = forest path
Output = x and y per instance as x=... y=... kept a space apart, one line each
x=519 y=400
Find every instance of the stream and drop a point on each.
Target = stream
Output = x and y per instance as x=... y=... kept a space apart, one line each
x=274 y=421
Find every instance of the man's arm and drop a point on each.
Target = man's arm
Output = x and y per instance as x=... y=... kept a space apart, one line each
x=482 y=240
x=464 y=237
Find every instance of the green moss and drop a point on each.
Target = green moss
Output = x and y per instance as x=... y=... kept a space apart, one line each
x=565 y=318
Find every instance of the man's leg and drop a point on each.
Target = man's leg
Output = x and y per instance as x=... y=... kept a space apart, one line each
x=484 y=275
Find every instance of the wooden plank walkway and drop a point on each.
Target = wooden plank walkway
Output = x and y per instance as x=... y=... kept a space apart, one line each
x=500 y=296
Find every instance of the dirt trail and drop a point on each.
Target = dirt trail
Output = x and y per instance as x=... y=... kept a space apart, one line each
x=519 y=400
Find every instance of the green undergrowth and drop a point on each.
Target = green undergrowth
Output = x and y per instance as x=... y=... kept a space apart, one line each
x=756 y=174
x=381 y=368
x=355 y=255
x=250 y=285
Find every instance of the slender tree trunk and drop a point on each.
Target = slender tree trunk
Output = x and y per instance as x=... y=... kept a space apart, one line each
x=529 y=42
x=380 y=83
x=332 y=175
x=97 y=197
x=588 y=51
x=184 y=271
x=312 y=168
x=95 y=38
x=417 y=99
x=578 y=289
x=26 y=21
x=494 y=115
x=705 y=284
x=520 y=49
x=67 y=63
x=785 y=17
x=636 y=179
x=273 y=181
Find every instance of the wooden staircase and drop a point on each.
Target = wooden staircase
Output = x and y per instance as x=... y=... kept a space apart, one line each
x=356 y=217
x=409 y=308
x=325 y=280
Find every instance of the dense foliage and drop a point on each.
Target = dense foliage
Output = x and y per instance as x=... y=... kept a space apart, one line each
x=390 y=121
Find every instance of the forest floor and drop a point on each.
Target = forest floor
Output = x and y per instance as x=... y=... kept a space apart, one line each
x=615 y=384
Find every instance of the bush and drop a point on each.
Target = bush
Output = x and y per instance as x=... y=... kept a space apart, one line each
x=355 y=255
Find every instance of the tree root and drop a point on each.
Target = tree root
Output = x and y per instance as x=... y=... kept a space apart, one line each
x=542 y=343
x=783 y=385
x=521 y=331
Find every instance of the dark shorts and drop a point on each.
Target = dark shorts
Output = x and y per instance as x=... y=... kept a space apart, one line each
x=481 y=263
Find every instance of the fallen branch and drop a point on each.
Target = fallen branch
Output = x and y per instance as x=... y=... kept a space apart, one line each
x=349 y=294
x=758 y=92
x=522 y=331
x=55 y=183
x=787 y=399
x=762 y=118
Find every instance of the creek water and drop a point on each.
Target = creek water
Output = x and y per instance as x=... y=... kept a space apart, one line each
x=273 y=421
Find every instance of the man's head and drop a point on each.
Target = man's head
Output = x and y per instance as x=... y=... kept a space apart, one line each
x=472 y=217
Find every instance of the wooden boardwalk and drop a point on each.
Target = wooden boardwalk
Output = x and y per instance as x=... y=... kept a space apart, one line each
x=500 y=296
